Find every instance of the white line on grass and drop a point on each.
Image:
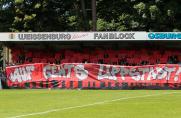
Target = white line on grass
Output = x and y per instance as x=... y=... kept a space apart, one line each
x=87 y=105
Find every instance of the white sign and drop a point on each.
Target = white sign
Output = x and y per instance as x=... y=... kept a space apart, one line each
x=89 y=36
x=73 y=36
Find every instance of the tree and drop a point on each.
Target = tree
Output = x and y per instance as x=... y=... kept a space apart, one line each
x=6 y=14
x=140 y=15
x=42 y=15
x=76 y=15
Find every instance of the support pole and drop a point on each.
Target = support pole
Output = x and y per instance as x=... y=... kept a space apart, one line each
x=94 y=17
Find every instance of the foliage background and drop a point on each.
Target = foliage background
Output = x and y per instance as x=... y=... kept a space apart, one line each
x=75 y=15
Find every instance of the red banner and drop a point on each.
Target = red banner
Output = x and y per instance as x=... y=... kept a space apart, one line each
x=91 y=75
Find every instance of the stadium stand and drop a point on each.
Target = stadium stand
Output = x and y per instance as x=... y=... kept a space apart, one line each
x=128 y=57
x=113 y=53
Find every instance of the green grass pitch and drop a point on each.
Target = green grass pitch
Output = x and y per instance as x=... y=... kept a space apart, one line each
x=90 y=104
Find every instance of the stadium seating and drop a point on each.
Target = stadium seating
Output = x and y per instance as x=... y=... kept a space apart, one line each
x=130 y=57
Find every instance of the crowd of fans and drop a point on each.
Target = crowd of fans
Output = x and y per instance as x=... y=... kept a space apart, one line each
x=128 y=57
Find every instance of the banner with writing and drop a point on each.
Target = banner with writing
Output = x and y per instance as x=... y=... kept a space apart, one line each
x=75 y=75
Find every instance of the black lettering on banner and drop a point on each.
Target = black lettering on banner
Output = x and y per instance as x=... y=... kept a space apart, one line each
x=41 y=84
x=102 y=84
x=54 y=83
x=63 y=84
x=109 y=85
x=94 y=85
x=117 y=85
x=124 y=85
x=89 y=85
x=71 y=84
x=27 y=85
x=79 y=84
x=33 y=85
x=47 y=84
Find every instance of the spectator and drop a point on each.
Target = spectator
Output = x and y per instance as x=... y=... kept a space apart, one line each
x=102 y=55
